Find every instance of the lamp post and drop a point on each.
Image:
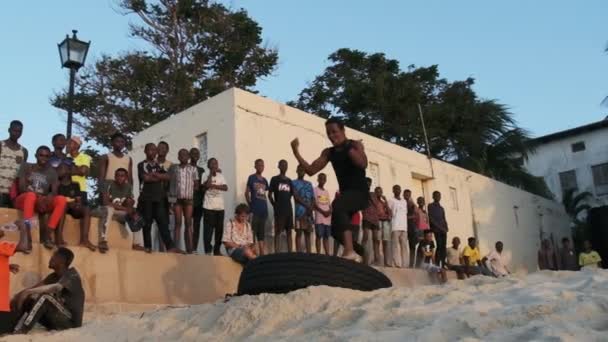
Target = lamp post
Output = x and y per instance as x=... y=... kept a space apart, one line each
x=73 y=53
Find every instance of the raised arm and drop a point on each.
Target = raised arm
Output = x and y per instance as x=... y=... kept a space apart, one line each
x=315 y=166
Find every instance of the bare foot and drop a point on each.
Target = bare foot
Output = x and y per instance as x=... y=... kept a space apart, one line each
x=48 y=244
x=89 y=245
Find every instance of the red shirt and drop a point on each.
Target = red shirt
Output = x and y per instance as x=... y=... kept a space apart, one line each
x=7 y=250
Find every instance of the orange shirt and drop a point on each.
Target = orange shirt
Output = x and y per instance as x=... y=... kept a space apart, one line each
x=7 y=250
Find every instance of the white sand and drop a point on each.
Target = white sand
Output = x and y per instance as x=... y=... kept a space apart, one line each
x=566 y=306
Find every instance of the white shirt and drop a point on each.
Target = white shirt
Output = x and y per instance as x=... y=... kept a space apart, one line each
x=214 y=199
x=453 y=256
x=497 y=263
x=232 y=234
x=398 y=208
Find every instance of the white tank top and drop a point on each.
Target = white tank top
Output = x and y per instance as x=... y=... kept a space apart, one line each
x=115 y=163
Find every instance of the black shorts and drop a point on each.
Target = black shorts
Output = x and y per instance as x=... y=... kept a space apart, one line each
x=345 y=206
x=5 y=201
x=283 y=221
x=258 y=225
x=369 y=225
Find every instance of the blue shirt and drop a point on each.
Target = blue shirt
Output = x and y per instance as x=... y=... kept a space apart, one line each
x=258 y=188
x=306 y=193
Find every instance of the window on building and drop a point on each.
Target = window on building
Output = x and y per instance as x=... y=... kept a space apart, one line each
x=202 y=146
x=374 y=174
x=454 y=198
x=568 y=181
x=578 y=146
x=600 y=178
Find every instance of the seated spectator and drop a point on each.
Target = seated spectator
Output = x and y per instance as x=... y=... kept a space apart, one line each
x=76 y=207
x=454 y=259
x=472 y=259
x=118 y=204
x=8 y=318
x=547 y=258
x=426 y=253
x=589 y=258
x=238 y=236
x=57 y=303
x=12 y=157
x=497 y=262
x=58 y=155
x=567 y=257
x=38 y=193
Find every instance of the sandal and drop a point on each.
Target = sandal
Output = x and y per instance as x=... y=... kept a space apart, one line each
x=103 y=247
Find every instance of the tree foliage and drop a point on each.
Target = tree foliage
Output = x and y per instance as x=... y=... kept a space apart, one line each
x=197 y=49
x=372 y=94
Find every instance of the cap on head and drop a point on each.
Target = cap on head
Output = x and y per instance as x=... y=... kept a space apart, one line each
x=76 y=139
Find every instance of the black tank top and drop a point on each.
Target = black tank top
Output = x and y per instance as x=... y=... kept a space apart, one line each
x=350 y=176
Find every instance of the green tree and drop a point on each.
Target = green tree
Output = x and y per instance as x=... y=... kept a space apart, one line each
x=576 y=205
x=372 y=94
x=197 y=49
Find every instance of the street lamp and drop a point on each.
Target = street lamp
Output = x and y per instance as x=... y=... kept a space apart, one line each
x=72 y=52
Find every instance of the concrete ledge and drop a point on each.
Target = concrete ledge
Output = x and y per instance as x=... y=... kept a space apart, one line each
x=118 y=236
x=127 y=281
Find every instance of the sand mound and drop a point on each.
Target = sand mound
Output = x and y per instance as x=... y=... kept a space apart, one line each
x=569 y=306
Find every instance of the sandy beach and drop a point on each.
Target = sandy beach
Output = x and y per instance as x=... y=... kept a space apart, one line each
x=544 y=306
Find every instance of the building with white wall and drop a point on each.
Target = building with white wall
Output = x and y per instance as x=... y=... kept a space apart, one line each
x=576 y=159
x=238 y=127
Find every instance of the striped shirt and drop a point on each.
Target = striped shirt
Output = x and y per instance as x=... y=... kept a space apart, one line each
x=10 y=163
x=183 y=181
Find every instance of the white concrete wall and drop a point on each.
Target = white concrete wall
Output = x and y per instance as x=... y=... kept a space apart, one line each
x=214 y=117
x=556 y=156
x=243 y=127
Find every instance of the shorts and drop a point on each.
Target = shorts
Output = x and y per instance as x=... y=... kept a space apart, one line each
x=344 y=207
x=369 y=225
x=323 y=231
x=385 y=227
x=431 y=268
x=283 y=221
x=184 y=202
x=75 y=213
x=238 y=255
x=304 y=223
x=258 y=225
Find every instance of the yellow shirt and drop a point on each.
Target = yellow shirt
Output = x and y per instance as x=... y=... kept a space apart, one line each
x=81 y=160
x=473 y=254
x=589 y=259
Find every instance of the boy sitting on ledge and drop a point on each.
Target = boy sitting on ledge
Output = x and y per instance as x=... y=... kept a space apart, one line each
x=238 y=236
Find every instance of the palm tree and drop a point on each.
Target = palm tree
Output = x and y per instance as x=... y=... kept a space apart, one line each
x=575 y=204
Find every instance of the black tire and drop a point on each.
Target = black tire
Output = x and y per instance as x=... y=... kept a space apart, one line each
x=286 y=272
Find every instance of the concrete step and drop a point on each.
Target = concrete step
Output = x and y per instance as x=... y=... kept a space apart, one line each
x=118 y=235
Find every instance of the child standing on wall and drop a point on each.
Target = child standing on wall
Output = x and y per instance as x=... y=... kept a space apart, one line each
x=184 y=178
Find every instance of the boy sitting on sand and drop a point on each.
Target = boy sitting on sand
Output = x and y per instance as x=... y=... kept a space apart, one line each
x=238 y=236
x=426 y=253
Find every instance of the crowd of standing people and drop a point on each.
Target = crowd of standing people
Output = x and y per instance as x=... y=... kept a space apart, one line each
x=56 y=185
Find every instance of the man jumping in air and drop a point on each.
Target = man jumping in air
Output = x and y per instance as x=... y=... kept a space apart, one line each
x=349 y=162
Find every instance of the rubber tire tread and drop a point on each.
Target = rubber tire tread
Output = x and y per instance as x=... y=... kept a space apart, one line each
x=286 y=272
